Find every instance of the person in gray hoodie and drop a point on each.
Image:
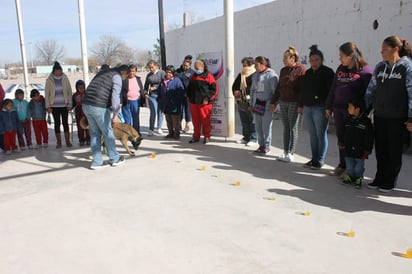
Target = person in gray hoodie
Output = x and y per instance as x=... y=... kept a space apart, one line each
x=390 y=94
x=264 y=83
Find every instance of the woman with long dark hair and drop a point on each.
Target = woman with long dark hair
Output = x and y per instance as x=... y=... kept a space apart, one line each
x=390 y=94
x=350 y=82
x=315 y=89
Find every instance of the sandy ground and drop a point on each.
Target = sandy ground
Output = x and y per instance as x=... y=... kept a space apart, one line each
x=181 y=212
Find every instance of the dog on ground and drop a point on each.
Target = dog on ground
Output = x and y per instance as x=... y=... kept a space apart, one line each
x=122 y=132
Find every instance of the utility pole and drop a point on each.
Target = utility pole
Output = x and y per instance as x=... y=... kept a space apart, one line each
x=230 y=66
x=83 y=42
x=162 y=35
x=22 y=49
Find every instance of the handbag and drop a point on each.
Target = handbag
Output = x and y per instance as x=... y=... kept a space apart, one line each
x=259 y=107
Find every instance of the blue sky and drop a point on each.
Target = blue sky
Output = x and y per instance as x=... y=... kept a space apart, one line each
x=136 y=22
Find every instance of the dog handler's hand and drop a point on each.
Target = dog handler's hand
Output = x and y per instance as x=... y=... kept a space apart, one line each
x=116 y=119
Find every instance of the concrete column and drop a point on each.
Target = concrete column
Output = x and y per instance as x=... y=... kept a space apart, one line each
x=230 y=66
x=23 y=50
x=83 y=42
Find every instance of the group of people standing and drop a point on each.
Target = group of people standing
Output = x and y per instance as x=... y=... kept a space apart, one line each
x=318 y=93
x=348 y=95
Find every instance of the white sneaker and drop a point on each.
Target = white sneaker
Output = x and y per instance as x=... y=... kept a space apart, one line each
x=287 y=158
x=30 y=146
x=241 y=141
x=251 y=143
x=159 y=131
x=151 y=133
x=8 y=152
x=281 y=157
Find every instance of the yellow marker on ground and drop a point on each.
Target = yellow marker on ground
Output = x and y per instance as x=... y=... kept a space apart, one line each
x=351 y=233
x=237 y=183
x=202 y=168
x=306 y=213
x=408 y=253
x=153 y=155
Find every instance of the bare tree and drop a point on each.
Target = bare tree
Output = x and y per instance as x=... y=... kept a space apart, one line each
x=107 y=49
x=48 y=51
x=127 y=55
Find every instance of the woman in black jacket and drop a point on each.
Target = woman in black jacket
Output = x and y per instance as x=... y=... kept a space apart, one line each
x=316 y=84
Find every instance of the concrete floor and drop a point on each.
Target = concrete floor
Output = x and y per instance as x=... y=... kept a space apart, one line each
x=181 y=212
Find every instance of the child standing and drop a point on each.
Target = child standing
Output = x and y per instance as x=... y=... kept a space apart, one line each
x=9 y=126
x=357 y=142
x=21 y=106
x=37 y=112
x=78 y=96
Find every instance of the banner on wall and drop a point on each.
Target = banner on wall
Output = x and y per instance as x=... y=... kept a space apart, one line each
x=215 y=66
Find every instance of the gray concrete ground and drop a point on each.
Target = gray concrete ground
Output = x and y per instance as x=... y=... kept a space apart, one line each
x=181 y=212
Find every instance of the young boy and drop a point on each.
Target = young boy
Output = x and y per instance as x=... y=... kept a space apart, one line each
x=78 y=96
x=9 y=126
x=21 y=106
x=357 y=142
x=37 y=112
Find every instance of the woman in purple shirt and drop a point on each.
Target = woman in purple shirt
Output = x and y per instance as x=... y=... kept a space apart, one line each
x=58 y=97
x=351 y=81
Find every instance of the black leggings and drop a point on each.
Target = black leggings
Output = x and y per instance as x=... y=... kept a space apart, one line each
x=64 y=114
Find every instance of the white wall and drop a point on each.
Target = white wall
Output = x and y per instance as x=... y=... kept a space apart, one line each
x=269 y=29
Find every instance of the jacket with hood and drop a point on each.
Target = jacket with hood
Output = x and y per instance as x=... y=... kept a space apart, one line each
x=202 y=86
x=390 y=90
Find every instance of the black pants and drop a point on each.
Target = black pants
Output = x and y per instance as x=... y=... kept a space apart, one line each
x=248 y=127
x=64 y=114
x=388 y=150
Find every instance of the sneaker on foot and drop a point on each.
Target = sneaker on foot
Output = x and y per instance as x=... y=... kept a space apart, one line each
x=150 y=133
x=159 y=131
x=104 y=164
x=206 y=141
x=316 y=165
x=287 y=158
x=119 y=162
x=251 y=143
x=8 y=152
x=373 y=185
x=30 y=146
x=169 y=136
x=308 y=164
x=346 y=180
x=193 y=141
x=385 y=189
x=241 y=141
x=358 y=182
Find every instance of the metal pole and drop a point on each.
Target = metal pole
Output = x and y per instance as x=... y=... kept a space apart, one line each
x=162 y=35
x=23 y=49
x=230 y=65
x=83 y=42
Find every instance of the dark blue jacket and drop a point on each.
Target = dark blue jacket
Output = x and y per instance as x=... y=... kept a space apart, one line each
x=170 y=96
x=37 y=109
x=9 y=121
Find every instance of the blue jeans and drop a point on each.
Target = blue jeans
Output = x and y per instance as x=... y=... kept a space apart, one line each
x=154 y=111
x=248 y=126
x=264 y=127
x=317 y=124
x=131 y=114
x=355 y=167
x=186 y=110
x=100 y=124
